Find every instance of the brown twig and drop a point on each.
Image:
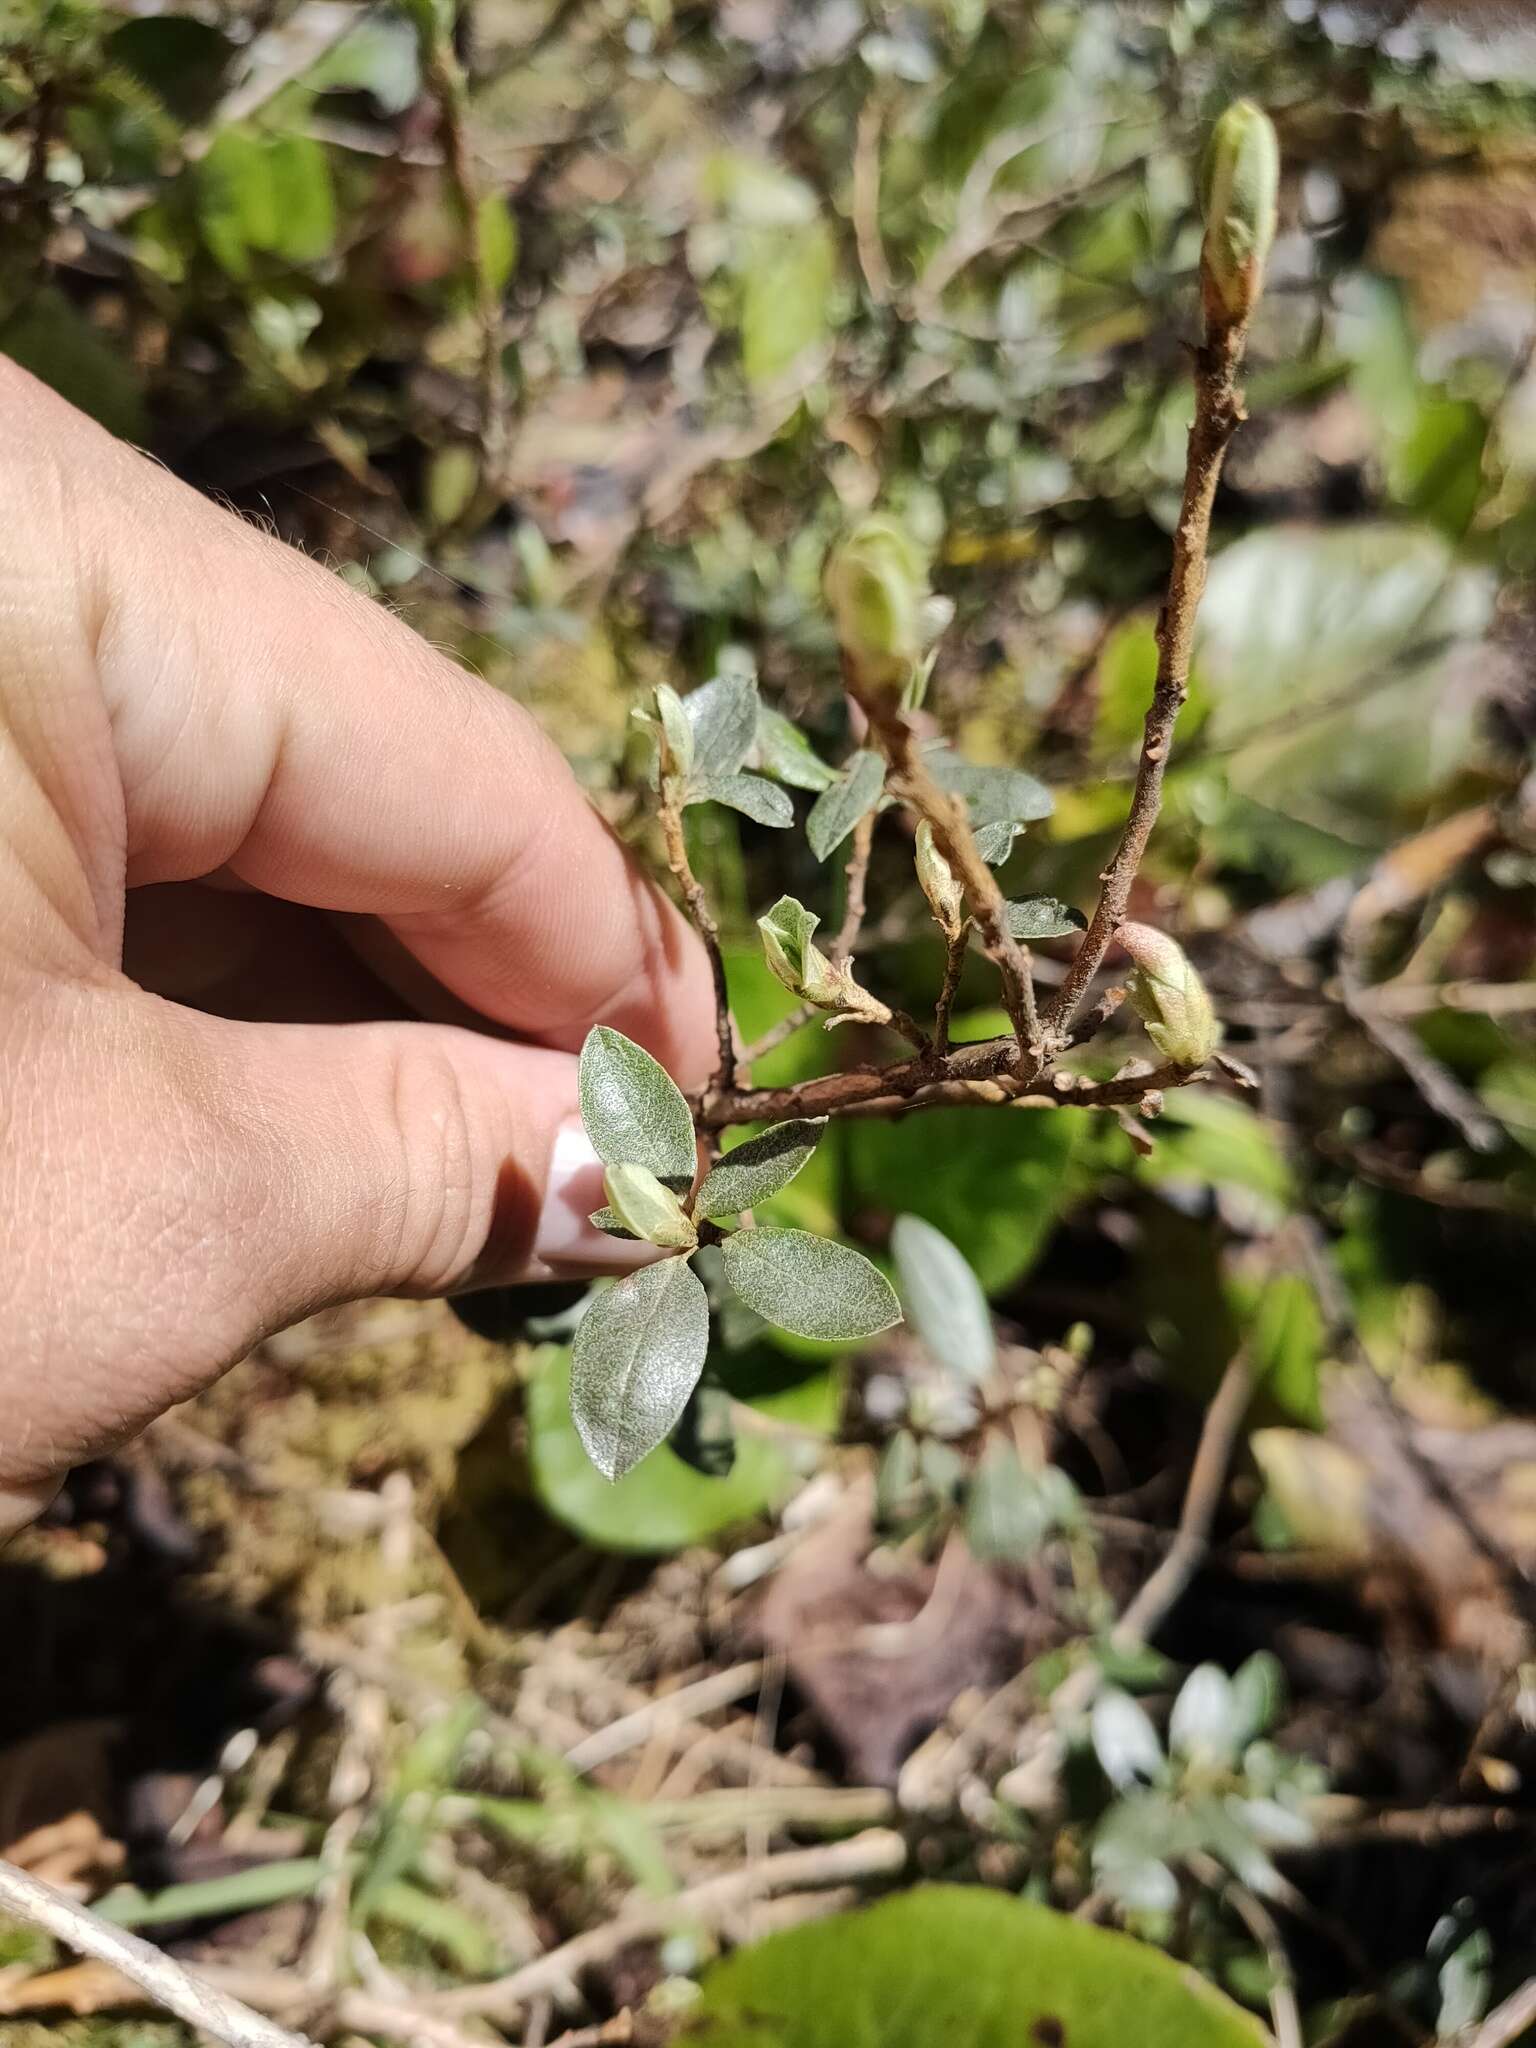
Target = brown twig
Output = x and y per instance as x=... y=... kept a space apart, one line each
x=166 y=1983
x=954 y=966
x=1218 y=412
x=969 y=1073
x=857 y=883
x=866 y=199
x=915 y=783
x=697 y=905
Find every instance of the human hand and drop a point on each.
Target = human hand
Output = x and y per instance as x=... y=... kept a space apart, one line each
x=255 y=832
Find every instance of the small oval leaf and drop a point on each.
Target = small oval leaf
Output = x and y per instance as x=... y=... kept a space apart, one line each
x=759 y=1168
x=810 y=1285
x=763 y=802
x=723 y=714
x=784 y=751
x=944 y=1299
x=1042 y=917
x=636 y=1357
x=634 y=1111
x=838 y=809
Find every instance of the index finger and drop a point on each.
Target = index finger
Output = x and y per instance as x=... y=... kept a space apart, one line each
x=270 y=721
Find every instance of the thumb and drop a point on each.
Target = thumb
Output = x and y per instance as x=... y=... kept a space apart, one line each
x=196 y=1183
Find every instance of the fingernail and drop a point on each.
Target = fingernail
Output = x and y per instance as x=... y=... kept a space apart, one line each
x=565 y=1240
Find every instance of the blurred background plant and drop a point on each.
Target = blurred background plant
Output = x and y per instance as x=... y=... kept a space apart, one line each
x=577 y=331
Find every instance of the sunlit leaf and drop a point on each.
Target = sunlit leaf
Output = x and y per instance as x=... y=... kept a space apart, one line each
x=810 y=1285
x=634 y=1112
x=636 y=1358
x=754 y=1171
x=838 y=809
x=764 y=802
x=784 y=751
x=658 y=1507
x=966 y=1967
x=943 y=1298
x=1042 y=917
x=723 y=714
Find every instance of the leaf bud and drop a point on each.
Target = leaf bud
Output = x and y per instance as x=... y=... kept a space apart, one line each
x=1239 y=184
x=676 y=734
x=648 y=1209
x=876 y=583
x=1169 y=997
x=936 y=878
x=787 y=932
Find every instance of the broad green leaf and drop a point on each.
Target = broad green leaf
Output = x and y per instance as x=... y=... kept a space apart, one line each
x=784 y=751
x=752 y=1172
x=784 y=300
x=648 y=1210
x=723 y=714
x=267 y=194
x=1330 y=654
x=964 y=1967
x=992 y=1183
x=636 y=1358
x=943 y=1298
x=659 y=1507
x=1042 y=917
x=634 y=1111
x=811 y=1285
x=764 y=802
x=838 y=809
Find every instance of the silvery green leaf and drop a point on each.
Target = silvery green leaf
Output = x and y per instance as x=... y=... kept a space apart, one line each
x=1258 y=1693
x=634 y=1111
x=994 y=796
x=676 y=732
x=604 y=1219
x=636 y=1358
x=943 y=1298
x=752 y=1172
x=809 y=1285
x=764 y=802
x=723 y=714
x=995 y=842
x=1203 y=1726
x=1124 y=1740
x=1140 y=1829
x=784 y=751
x=647 y=1209
x=838 y=809
x=1042 y=917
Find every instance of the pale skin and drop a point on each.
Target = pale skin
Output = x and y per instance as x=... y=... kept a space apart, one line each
x=254 y=835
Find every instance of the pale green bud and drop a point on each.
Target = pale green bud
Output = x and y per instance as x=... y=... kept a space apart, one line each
x=1239 y=187
x=676 y=734
x=1169 y=997
x=806 y=971
x=936 y=878
x=648 y=1209
x=876 y=583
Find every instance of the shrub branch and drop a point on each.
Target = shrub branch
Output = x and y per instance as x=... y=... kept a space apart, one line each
x=1218 y=414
